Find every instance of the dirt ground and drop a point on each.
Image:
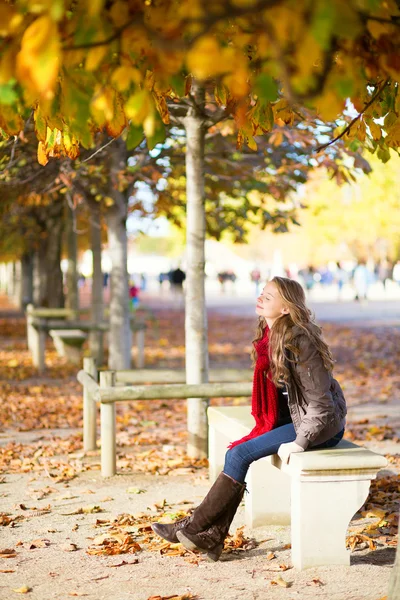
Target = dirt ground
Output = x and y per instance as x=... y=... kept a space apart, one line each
x=61 y=568
x=61 y=521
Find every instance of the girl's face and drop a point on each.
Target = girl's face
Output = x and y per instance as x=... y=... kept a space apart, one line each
x=270 y=304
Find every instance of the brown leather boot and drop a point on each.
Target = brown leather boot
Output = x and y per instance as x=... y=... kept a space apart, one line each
x=210 y=521
x=168 y=530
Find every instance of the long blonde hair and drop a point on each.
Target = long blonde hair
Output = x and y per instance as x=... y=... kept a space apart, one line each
x=280 y=335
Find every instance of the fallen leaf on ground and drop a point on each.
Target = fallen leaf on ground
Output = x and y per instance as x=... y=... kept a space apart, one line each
x=8 y=553
x=69 y=547
x=315 y=581
x=37 y=544
x=23 y=590
x=270 y=556
x=134 y=490
x=85 y=510
x=125 y=562
x=279 y=581
x=110 y=546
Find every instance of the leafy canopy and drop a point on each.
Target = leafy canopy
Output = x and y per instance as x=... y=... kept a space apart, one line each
x=84 y=66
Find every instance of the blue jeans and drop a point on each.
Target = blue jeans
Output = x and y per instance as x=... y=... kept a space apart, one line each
x=239 y=458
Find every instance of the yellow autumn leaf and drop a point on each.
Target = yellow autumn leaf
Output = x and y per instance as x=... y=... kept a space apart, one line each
x=393 y=137
x=375 y=130
x=124 y=76
x=139 y=106
x=70 y=145
x=330 y=105
x=22 y=590
x=377 y=29
x=38 y=59
x=118 y=122
x=205 y=58
x=252 y=144
x=119 y=13
x=93 y=7
x=7 y=64
x=10 y=19
x=102 y=105
x=95 y=57
x=41 y=154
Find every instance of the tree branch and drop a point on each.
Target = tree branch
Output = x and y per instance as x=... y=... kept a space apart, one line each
x=350 y=125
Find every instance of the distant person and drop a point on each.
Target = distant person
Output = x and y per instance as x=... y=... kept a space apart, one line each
x=293 y=412
x=106 y=277
x=177 y=277
x=143 y=282
x=341 y=277
x=361 y=279
x=383 y=273
x=134 y=296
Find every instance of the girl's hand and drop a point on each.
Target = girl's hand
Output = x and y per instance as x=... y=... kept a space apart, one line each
x=285 y=450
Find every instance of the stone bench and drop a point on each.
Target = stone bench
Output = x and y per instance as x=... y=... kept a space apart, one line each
x=318 y=492
x=68 y=343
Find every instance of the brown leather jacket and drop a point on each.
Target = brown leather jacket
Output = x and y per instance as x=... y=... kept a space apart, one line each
x=316 y=401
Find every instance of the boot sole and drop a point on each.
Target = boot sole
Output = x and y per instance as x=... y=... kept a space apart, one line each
x=189 y=545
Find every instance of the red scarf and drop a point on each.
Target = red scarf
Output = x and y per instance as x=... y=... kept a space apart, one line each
x=264 y=399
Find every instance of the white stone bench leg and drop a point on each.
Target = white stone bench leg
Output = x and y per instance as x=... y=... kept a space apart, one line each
x=322 y=508
x=217 y=447
x=268 y=500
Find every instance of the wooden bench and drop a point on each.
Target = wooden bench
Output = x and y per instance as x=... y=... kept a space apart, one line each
x=113 y=388
x=318 y=492
x=68 y=343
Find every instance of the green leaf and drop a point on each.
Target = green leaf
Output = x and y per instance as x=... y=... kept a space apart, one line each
x=158 y=137
x=323 y=23
x=345 y=87
x=7 y=94
x=134 y=137
x=266 y=88
x=383 y=154
x=178 y=85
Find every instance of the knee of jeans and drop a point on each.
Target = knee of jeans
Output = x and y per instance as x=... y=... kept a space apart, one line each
x=234 y=456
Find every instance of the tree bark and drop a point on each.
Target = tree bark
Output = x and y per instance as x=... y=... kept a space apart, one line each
x=196 y=313
x=96 y=337
x=394 y=582
x=120 y=333
x=49 y=291
x=72 y=296
x=27 y=280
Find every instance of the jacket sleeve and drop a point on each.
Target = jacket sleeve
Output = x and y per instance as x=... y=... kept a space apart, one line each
x=315 y=382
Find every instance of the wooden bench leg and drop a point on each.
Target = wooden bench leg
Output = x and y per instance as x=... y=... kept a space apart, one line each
x=322 y=508
x=268 y=500
x=108 y=429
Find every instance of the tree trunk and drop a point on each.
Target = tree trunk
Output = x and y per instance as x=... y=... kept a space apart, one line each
x=96 y=337
x=120 y=332
x=394 y=582
x=72 y=296
x=27 y=280
x=50 y=283
x=17 y=284
x=196 y=313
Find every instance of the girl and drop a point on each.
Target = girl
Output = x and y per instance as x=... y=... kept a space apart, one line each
x=296 y=404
